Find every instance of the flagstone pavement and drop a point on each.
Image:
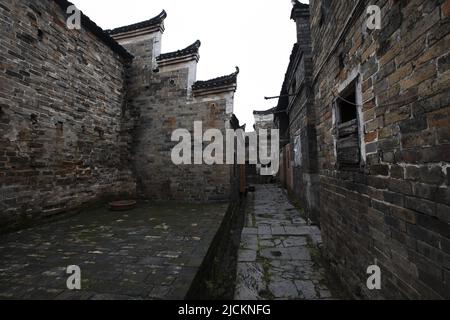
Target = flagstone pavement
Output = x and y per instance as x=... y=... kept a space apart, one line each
x=152 y=252
x=276 y=256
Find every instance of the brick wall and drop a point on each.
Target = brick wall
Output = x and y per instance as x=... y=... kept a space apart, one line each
x=300 y=107
x=62 y=94
x=302 y=133
x=395 y=207
x=160 y=93
x=164 y=109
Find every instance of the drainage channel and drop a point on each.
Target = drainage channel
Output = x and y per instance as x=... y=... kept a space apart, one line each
x=216 y=277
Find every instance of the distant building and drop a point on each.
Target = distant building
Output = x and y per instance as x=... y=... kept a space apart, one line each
x=264 y=120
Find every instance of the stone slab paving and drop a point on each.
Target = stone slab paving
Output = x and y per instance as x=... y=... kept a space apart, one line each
x=152 y=252
x=275 y=256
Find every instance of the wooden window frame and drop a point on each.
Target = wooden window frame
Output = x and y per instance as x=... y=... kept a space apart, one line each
x=351 y=133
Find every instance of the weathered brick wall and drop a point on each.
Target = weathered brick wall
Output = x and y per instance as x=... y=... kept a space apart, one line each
x=395 y=209
x=163 y=100
x=301 y=111
x=61 y=102
x=303 y=135
x=165 y=108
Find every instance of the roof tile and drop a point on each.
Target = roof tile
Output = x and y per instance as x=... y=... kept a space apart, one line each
x=192 y=49
x=97 y=31
x=140 y=25
x=217 y=82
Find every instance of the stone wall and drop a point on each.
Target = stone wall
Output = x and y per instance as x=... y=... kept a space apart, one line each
x=161 y=92
x=62 y=94
x=299 y=165
x=301 y=112
x=165 y=108
x=391 y=207
x=264 y=124
x=80 y=119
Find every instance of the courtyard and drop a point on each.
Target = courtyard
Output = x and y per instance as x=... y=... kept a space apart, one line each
x=152 y=252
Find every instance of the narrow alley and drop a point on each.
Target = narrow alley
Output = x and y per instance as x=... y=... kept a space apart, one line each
x=278 y=150
x=279 y=255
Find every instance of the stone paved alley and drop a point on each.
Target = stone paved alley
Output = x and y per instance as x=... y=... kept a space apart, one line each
x=278 y=256
x=152 y=252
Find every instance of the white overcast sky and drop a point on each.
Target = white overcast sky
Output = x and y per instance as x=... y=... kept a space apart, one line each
x=256 y=35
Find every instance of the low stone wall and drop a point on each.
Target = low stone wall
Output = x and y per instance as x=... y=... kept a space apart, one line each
x=216 y=277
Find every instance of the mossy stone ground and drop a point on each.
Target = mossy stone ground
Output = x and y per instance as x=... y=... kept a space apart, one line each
x=152 y=252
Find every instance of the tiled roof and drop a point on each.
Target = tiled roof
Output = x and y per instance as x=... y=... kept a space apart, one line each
x=140 y=25
x=97 y=31
x=192 y=49
x=265 y=112
x=217 y=82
